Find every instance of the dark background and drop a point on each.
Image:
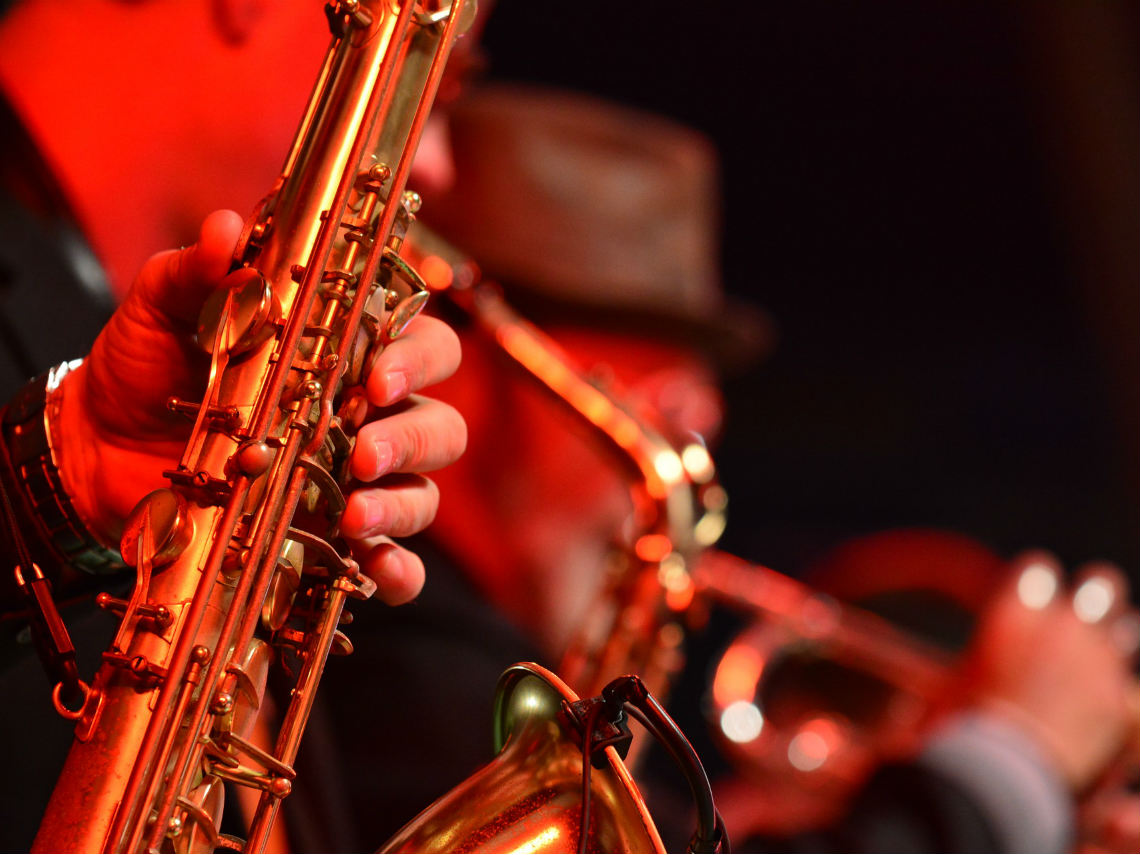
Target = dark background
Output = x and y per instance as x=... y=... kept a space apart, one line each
x=937 y=204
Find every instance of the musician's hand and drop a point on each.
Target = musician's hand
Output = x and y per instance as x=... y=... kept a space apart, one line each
x=417 y=435
x=1057 y=663
x=117 y=436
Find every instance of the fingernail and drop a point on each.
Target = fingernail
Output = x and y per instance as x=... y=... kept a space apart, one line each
x=383 y=450
x=396 y=385
x=373 y=514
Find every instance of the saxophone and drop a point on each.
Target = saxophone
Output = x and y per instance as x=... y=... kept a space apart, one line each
x=238 y=561
x=637 y=621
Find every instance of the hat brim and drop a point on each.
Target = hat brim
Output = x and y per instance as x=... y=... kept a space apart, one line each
x=737 y=337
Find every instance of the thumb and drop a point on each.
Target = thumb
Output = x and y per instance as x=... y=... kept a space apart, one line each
x=146 y=351
x=175 y=284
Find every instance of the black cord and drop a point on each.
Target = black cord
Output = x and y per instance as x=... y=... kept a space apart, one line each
x=710 y=835
x=587 y=766
x=14 y=533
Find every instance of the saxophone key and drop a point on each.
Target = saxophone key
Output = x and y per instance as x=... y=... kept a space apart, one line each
x=146 y=674
x=253 y=458
x=404 y=313
x=411 y=202
x=373 y=179
x=171 y=528
x=341 y=644
x=203 y=488
x=222 y=418
x=158 y=616
x=244 y=307
x=278 y=603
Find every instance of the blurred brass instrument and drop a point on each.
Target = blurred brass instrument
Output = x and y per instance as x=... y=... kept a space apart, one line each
x=678 y=507
x=665 y=575
x=813 y=693
x=239 y=562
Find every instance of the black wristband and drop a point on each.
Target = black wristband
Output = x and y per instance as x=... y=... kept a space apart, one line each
x=33 y=465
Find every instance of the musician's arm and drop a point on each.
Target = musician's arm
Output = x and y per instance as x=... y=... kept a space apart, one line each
x=113 y=435
x=1051 y=705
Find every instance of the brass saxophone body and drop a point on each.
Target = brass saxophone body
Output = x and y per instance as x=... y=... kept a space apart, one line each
x=238 y=561
x=678 y=506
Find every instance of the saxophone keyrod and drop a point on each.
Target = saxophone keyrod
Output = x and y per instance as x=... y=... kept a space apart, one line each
x=398 y=180
x=228 y=415
x=258 y=584
x=319 y=256
x=185 y=694
x=273 y=766
x=317 y=97
x=300 y=707
x=419 y=120
x=184 y=652
x=335 y=295
x=278 y=785
x=277 y=506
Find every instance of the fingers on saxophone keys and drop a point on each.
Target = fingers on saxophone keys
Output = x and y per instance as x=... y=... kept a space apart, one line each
x=398 y=573
x=424 y=436
x=176 y=282
x=402 y=506
x=426 y=353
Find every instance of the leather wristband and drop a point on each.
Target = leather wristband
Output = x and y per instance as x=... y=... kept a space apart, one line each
x=33 y=463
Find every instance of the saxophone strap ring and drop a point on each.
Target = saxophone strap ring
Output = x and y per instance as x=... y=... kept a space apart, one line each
x=60 y=705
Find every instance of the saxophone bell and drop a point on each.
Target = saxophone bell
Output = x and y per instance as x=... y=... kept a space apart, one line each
x=540 y=794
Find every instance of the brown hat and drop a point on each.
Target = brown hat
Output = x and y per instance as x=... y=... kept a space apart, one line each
x=588 y=212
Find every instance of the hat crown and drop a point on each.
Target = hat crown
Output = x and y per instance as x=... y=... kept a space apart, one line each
x=584 y=200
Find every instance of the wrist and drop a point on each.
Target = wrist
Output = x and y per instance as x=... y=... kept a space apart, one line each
x=70 y=434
